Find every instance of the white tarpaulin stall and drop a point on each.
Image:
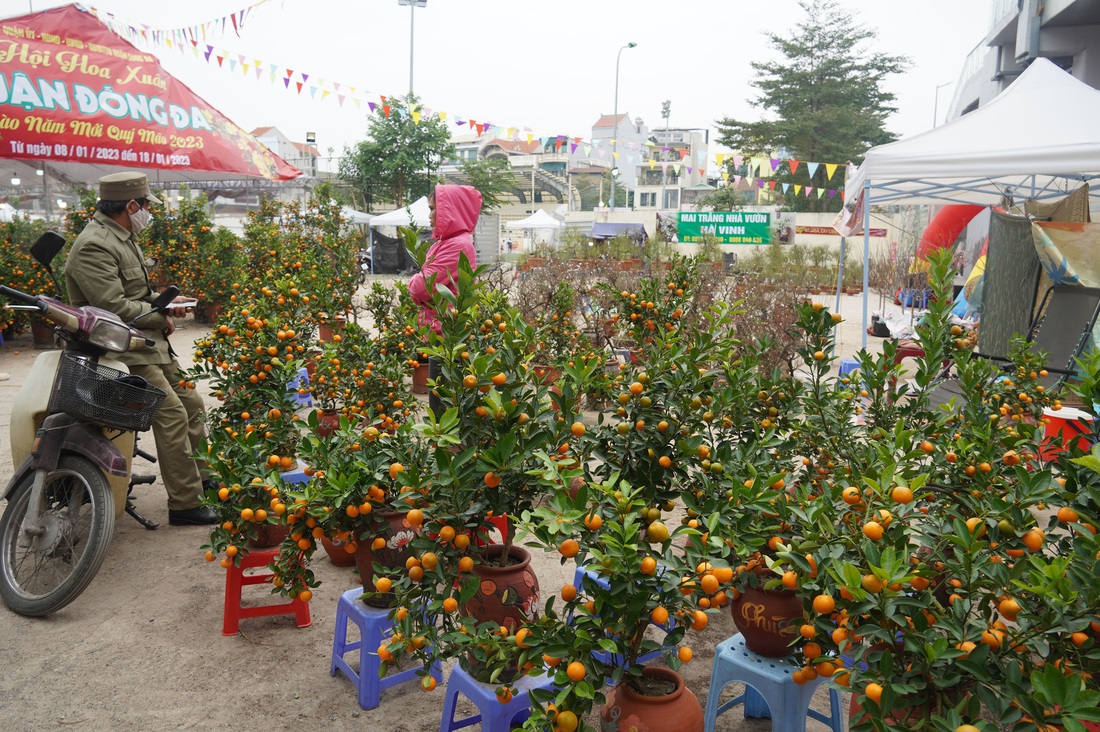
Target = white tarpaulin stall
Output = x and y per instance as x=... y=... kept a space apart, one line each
x=538 y=220
x=400 y=216
x=1038 y=139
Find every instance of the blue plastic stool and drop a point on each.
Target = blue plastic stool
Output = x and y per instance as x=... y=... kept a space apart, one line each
x=847 y=366
x=301 y=381
x=374 y=627
x=493 y=716
x=770 y=690
x=578 y=582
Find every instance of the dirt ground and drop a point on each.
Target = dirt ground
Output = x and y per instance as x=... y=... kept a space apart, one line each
x=142 y=647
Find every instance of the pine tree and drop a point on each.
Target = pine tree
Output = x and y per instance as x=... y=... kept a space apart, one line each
x=827 y=99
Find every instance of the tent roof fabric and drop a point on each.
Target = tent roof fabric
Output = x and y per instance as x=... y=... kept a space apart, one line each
x=538 y=220
x=400 y=216
x=608 y=230
x=1037 y=139
x=352 y=216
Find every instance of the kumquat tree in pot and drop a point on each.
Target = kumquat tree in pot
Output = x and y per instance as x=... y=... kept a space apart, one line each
x=928 y=586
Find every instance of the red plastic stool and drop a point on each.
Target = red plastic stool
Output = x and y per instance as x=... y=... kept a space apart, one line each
x=235 y=579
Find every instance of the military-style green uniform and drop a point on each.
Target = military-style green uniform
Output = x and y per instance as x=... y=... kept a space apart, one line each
x=106 y=269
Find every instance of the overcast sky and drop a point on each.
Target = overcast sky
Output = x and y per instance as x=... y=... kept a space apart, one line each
x=544 y=65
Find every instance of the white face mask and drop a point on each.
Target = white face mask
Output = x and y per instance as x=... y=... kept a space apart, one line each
x=139 y=220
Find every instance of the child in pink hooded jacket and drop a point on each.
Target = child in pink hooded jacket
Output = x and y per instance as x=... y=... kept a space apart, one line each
x=454 y=214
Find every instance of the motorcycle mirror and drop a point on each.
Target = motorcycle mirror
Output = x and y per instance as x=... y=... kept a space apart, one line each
x=165 y=298
x=46 y=247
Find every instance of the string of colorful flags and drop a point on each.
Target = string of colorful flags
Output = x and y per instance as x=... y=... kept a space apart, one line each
x=749 y=170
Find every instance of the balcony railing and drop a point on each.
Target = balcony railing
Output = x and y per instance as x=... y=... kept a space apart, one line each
x=1001 y=10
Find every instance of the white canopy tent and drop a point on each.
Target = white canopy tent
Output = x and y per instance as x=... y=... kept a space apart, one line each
x=1038 y=139
x=538 y=220
x=352 y=216
x=400 y=216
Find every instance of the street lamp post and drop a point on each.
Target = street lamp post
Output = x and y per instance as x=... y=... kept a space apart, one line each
x=666 y=111
x=413 y=5
x=615 y=139
x=936 y=104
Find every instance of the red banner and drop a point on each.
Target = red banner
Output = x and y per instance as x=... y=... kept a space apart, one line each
x=73 y=91
x=830 y=231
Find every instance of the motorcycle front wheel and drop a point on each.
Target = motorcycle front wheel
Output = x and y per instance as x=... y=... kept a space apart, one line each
x=44 y=572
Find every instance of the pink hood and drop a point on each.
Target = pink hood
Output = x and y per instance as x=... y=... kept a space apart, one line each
x=456 y=212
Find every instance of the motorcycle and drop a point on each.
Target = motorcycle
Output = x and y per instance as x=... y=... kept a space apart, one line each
x=363 y=261
x=73 y=428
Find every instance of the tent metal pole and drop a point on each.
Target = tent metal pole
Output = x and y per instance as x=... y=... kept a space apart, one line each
x=839 y=275
x=866 y=254
x=371 y=234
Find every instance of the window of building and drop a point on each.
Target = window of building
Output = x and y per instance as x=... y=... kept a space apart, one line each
x=647 y=200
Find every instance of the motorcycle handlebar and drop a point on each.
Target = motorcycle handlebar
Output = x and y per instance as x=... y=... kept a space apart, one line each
x=22 y=297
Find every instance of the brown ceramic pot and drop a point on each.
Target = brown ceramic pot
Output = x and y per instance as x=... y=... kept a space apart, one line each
x=508 y=595
x=338 y=553
x=677 y=711
x=768 y=619
x=420 y=379
x=398 y=533
x=269 y=535
x=328 y=421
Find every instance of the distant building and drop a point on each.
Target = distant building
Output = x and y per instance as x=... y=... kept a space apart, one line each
x=1065 y=31
x=301 y=155
x=673 y=169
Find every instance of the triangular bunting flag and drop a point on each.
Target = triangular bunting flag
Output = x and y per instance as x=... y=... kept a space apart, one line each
x=774 y=163
x=737 y=160
x=340 y=100
x=725 y=175
x=371 y=106
x=416 y=118
x=786 y=187
x=719 y=157
x=797 y=189
x=811 y=168
x=386 y=109
x=830 y=170
x=299 y=85
x=771 y=184
x=832 y=192
x=809 y=190
x=820 y=192
x=652 y=164
x=683 y=154
x=794 y=166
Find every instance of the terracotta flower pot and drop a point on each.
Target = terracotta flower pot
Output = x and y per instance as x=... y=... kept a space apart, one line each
x=420 y=379
x=338 y=553
x=508 y=595
x=675 y=711
x=397 y=534
x=768 y=619
x=269 y=535
x=328 y=421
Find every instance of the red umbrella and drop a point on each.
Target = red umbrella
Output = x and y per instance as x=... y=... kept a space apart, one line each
x=79 y=98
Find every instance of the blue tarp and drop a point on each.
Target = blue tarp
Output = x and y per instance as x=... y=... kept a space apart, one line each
x=607 y=231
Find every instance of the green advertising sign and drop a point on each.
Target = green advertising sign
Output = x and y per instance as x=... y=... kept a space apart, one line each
x=728 y=227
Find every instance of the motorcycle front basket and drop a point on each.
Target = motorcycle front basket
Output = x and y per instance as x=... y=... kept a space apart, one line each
x=101 y=395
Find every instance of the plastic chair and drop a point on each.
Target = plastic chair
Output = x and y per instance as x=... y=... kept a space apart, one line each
x=236 y=579
x=493 y=716
x=770 y=690
x=374 y=626
x=301 y=381
x=604 y=657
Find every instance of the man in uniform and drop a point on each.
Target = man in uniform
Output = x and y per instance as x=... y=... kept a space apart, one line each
x=106 y=269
